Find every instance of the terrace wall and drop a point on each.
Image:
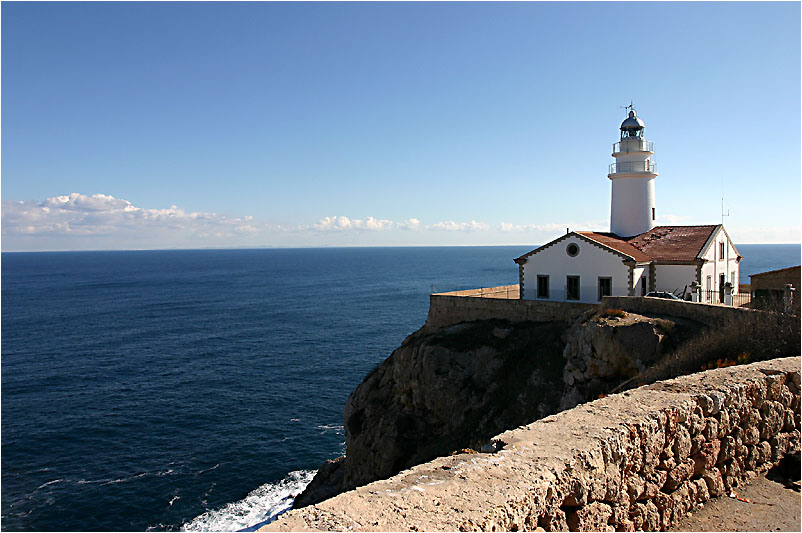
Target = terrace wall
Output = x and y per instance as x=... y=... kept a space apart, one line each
x=639 y=460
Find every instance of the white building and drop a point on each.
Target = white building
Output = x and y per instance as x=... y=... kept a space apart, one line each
x=635 y=257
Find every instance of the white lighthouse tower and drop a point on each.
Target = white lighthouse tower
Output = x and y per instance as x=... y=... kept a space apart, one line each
x=632 y=209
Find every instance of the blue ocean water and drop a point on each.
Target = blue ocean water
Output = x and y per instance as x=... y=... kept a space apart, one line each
x=141 y=389
x=764 y=257
x=200 y=389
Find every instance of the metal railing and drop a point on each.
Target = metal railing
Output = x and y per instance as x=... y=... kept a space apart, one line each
x=632 y=166
x=633 y=146
x=740 y=299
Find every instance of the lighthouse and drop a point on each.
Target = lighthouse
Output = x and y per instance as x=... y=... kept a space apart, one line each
x=632 y=209
x=636 y=256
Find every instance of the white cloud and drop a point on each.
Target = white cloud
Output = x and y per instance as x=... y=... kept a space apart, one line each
x=374 y=224
x=410 y=223
x=102 y=222
x=99 y=214
x=341 y=223
x=459 y=226
x=551 y=227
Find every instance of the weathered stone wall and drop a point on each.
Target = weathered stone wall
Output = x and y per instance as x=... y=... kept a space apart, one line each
x=512 y=292
x=449 y=308
x=776 y=279
x=630 y=461
x=709 y=314
x=446 y=310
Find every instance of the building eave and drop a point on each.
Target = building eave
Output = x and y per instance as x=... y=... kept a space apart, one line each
x=709 y=242
x=521 y=260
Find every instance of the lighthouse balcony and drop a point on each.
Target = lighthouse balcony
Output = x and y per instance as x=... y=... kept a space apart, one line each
x=633 y=145
x=632 y=166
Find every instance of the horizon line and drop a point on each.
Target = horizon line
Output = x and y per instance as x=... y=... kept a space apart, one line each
x=268 y=247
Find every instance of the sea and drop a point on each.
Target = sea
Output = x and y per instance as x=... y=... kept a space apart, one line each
x=199 y=390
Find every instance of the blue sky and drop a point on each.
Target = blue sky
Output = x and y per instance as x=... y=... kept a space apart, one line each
x=156 y=124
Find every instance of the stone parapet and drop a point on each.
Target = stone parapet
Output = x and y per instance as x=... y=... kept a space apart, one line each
x=447 y=309
x=632 y=461
x=709 y=314
x=511 y=292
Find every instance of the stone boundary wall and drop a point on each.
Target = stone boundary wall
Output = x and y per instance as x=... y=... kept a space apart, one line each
x=709 y=314
x=449 y=308
x=445 y=310
x=512 y=292
x=639 y=460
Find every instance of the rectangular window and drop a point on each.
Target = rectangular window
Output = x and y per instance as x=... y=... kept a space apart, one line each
x=721 y=251
x=542 y=286
x=572 y=288
x=605 y=287
x=732 y=279
x=652 y=213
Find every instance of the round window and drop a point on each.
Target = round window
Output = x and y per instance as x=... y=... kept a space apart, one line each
x=572 y=250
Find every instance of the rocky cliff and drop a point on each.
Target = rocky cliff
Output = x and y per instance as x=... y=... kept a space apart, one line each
x=444 y=391
x=640 y=460
x=455 y=388
x=610 y=347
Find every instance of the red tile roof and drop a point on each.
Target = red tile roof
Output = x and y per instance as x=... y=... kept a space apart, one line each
x=673 y=243
x=665 y=244
x=615 y=242
x=679 y=244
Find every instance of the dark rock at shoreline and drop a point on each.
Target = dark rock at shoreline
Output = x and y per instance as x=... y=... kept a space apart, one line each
x=326 y=483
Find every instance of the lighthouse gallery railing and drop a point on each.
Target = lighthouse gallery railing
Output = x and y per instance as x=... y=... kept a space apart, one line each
x=632 y=166
x=633 y=146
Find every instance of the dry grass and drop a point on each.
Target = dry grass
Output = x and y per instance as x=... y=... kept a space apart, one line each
x=618 y=313
x=749 y=337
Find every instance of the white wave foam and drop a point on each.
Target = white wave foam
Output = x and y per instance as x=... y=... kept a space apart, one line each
x=215 y=467
x=257 y=508
x=129 y=478
x=43 y=485
x=327 y=427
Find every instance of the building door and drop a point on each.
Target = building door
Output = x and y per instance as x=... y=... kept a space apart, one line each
x=722 y=279
x=709 y=290
x=605 y=287
x=572 y=288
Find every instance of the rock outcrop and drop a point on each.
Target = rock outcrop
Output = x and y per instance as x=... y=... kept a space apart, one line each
x=441 y=392
x=608 y=347
x=455 y=388
x=639 y=460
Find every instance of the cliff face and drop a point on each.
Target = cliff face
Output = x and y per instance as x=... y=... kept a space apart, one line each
x=457 y=387
x=628 y=462
x=451 y=390
x=603 y=350
x=439 y=392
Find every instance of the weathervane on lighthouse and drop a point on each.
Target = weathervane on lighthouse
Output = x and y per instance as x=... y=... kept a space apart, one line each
x=632 y=209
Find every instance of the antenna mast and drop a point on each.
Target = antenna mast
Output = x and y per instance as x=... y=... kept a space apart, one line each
x=722 y=211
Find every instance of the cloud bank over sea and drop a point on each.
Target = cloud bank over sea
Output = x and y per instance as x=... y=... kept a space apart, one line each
x=78 y=221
